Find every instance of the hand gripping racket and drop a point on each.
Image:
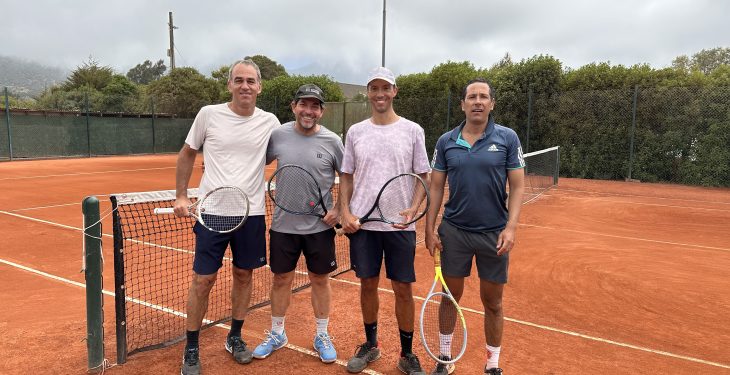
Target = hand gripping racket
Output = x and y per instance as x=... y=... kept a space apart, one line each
x=221 y=210
x=443 y=327
x=398 y=195
x=296 y=191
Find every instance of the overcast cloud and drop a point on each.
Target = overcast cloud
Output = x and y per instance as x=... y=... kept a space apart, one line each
x=342 y=38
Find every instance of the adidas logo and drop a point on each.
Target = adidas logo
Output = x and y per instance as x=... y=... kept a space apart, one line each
x=493 y=148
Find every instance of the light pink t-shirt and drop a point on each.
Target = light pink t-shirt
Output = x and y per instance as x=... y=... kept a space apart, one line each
x=376 y=153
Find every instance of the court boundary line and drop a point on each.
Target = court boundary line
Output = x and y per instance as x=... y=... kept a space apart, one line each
x=558 y=188
x=389 y=291
x=168 y=310
x=84 y=173
x=535 y=325
x=570 y=333
x=625 y=237
x=603 y=199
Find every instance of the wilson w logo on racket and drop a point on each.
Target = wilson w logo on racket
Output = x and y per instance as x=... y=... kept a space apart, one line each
x=442 y=326
x=221 y=210
x=400 y=201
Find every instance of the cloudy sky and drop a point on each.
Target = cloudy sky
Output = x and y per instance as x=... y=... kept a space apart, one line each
x=342 y=38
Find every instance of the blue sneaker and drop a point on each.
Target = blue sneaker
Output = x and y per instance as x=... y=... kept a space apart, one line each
x=323 y=346
x=272 y=342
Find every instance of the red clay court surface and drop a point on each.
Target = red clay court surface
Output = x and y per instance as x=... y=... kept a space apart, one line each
x=606 y=277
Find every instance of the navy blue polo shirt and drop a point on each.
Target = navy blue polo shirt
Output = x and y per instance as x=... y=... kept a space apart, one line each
x=477 y=176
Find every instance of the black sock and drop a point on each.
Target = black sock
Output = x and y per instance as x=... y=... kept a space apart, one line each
x=235 y=328
x=371 y=333
x=406 y=342
x=192 y=339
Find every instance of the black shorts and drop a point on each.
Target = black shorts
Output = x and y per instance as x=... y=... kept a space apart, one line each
x=367 y=249
x=248 y=246
x=460 y=247
x=318 y=248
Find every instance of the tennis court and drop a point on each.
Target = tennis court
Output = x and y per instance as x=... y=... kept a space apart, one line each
x=606 y=277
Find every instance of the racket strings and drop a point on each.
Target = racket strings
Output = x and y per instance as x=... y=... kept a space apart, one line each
x=443 y=329
x=224 y=209
x=296 y=190
x=397 y=197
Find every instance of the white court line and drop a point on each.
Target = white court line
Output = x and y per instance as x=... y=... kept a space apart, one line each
x=558 y=188
x=570 y=333
x=166 y=309
x=648 y=204
x=85 y=173
x=535 y=325
x=626 y=237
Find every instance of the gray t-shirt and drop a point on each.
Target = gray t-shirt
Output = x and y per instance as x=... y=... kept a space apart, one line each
x=321 y=155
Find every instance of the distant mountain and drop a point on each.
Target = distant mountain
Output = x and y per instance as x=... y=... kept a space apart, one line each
x=26 y=78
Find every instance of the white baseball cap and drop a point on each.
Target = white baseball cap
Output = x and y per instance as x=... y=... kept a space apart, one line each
x=382 y=73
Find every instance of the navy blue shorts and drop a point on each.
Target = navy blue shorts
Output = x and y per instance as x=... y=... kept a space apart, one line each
x=367 y=249
x=248 y=246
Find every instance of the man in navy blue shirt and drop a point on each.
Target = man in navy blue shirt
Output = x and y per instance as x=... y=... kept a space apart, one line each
x=478 y=158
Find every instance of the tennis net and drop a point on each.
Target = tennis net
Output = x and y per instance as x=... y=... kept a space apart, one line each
x=153 y=267
x=541 y=172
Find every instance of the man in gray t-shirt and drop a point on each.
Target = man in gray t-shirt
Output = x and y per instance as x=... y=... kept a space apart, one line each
x=316 y=149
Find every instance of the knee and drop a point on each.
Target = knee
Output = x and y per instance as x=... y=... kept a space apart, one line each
x=242 y=276
x=319 y=280
x=403 y=292
x=202 y=284
x=369 y=285
x=282 y=280
x=492 y=305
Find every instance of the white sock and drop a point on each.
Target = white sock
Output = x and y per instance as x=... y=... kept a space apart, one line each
x=493 y=356
x=277 y=324
x=322 y=325
x=445 y=344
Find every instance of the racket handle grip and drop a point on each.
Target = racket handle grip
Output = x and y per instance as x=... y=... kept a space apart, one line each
x=164 y=211
x=338 y=229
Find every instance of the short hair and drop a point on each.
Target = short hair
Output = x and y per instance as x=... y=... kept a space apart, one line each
x=248 y=62
x=492 y=93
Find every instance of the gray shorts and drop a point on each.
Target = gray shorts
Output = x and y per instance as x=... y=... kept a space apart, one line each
x=461 y=246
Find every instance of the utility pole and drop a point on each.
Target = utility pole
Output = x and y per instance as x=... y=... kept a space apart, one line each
x=171 y=51
x=382 y=63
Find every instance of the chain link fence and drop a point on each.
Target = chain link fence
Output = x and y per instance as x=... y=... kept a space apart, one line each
x=659 y=134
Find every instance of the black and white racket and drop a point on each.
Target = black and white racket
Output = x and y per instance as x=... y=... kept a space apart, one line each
x=398 y=195
x=294 y=190
x=221 y=210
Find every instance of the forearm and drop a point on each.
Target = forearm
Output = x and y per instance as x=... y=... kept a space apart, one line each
x=436 y=190
x=184 y=169
x=343 y=198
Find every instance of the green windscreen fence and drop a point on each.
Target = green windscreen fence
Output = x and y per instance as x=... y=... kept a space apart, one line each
x=50 y=134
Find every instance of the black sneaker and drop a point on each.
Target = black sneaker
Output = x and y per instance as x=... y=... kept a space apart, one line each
x=191 y=362
x=364 y=354
x=410 y=365
x=236 y=346
x=493 y=371
x=442 y=369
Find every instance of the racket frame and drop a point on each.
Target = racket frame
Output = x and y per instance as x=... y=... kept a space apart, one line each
x=439 y=279
x=193 y=209
x=366 y=218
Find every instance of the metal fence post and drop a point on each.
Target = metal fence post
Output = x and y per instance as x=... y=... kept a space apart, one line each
x=88 y=127
x=529 y=118
x=7 y=121
x=631 y=134
x=154 y=143
x=448 y=111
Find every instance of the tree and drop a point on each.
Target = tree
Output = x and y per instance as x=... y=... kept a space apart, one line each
x=704 y=61
x=277 y=93
x=146 y=72
x=90 y=74
x=269 y=68
x=119 y=95
x=183 y=92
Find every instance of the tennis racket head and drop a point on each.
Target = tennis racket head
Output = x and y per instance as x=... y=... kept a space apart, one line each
x=443 y=328
x=294 y=190
x=223 y=209
x=395 y=199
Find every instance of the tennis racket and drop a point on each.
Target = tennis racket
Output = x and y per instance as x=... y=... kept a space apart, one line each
x=221 y=210
x=443 y=327
x=395 y=197
x=296 y=191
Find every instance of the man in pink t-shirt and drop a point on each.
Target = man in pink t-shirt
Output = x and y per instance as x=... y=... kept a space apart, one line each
x=377 y=149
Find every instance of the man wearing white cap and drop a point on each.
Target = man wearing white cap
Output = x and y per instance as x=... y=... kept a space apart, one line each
x=377 y=149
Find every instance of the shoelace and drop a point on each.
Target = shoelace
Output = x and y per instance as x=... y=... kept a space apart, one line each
x=270 y=337
x=413 y=361
x=238 y=344
x=362 y=350
x=325 y=339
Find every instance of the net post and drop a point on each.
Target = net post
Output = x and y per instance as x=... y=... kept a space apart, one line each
x=93 y=275
x=7 y=122
x=120 y=296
